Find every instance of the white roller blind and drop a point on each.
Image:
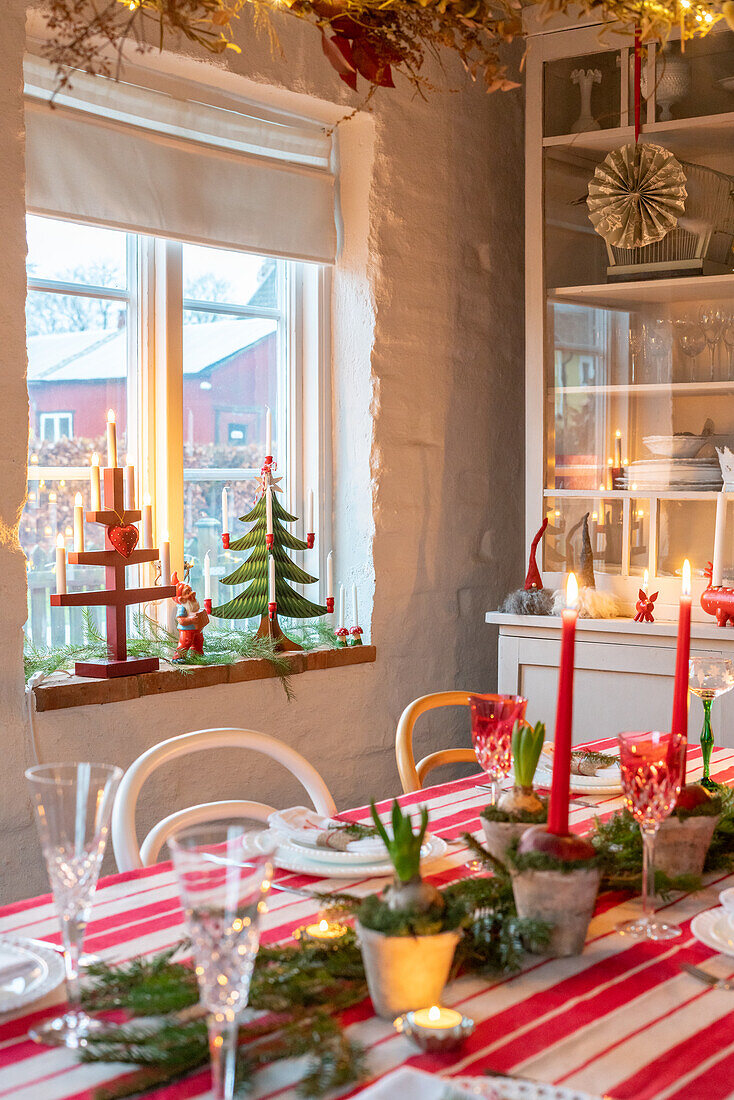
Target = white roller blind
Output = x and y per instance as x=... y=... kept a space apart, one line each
x=151 y=162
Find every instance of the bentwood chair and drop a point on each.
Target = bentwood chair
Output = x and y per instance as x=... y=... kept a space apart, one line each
x=412 y=775
x=124 y=837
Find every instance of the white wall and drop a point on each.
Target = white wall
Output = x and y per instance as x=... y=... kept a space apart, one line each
x=428 y=485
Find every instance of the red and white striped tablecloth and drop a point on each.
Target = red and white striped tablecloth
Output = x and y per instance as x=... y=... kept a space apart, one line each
x=621 y=1020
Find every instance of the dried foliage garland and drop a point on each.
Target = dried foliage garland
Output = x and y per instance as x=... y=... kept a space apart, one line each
x=367 y=38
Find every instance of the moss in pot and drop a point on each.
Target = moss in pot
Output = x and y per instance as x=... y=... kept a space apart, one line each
x=555 y=880
x=683 y=839
x=520 y=806
x=407 y=938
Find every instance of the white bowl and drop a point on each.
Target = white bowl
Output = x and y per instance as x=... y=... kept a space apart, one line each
x=675 y=446
x=726 y=897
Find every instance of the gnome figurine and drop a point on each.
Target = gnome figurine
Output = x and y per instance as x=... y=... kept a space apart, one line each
x=593 y=604
x=533 y=599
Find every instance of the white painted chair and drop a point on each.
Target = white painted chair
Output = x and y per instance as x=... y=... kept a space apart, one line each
x=124 y=837
x=412 y=775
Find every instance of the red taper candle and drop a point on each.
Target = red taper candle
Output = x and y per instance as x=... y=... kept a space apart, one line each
x=561 y=781
x=679 y=723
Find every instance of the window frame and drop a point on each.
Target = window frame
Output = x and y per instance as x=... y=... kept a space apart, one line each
x=155 y=396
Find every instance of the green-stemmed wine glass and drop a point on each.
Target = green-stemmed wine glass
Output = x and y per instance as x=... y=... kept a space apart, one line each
x=709 y=677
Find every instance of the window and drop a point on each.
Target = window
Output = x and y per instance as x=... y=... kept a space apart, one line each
x=189 y=345
x=52 y=426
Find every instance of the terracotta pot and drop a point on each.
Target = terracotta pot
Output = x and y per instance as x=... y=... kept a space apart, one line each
x=500 y=834
x=406 y=972
x=681 y=846
x=564 y=900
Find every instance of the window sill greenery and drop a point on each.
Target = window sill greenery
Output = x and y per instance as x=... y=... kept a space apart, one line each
x=231 y=657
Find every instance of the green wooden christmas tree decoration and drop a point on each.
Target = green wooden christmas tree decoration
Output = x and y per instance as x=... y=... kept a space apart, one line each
x=254 y=599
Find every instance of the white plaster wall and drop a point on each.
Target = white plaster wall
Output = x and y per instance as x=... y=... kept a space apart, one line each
x=428 y=450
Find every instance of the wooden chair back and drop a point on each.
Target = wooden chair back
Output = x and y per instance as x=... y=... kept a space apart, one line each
x=412 y=775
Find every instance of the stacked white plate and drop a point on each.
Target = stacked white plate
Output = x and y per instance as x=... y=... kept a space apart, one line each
x=654 y=474
x=293 y=855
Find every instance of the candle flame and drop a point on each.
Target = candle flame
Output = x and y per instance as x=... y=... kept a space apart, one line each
x=110 y=416
x=60 y=541
x=78 y=500
x=51 y=497
x=323 y=926
x=686 y=579
x=572 y=591
x=146 y=500
x=434 y=1014
x=95 y=459
x=617 y=434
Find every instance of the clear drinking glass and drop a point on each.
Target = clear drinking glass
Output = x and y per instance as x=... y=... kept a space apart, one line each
x=653 y=766
x=728 y=338
x=712 y=323
x=492 y=719
x=223 y=872
x=73 y=804
x=692 y=342
x=709 y=677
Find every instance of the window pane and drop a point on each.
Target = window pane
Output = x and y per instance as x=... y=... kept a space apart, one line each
x=216 y=275
x=72 y=253
x=230 y=378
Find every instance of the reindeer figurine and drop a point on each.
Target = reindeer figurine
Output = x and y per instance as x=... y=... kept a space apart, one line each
x=717 y=600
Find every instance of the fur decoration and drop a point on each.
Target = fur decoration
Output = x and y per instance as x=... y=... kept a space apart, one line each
x=592 y=604
x=534 y=601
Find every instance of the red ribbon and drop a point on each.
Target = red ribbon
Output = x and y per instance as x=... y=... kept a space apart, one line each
x=638 y=82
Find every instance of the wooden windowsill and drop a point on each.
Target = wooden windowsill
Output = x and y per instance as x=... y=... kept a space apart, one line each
x=77 y=691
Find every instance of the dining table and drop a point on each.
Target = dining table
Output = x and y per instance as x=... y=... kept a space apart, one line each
x=622 y=1020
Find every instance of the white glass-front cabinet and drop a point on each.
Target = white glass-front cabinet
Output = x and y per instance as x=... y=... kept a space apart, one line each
x=630 y=353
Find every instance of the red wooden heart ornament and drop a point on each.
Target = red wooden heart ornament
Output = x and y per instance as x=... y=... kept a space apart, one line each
x=124 y=539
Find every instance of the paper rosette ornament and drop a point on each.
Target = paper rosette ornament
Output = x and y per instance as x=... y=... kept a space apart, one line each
x=637 y=195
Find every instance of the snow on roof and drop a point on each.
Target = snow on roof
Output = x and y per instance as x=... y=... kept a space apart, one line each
x=101 y=355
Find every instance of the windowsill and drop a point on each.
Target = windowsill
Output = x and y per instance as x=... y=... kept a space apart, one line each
x=77 y=691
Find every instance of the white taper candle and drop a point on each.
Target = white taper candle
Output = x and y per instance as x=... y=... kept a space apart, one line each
x=268 y=433
x=78 y=524
x=309 y=512
x=341 y=606
x=271 y=579
x=355 y=606
x=111 y=439
x=330 y=575
x=166 y=560
x=207 y=576
x=225 y=512
x=269 y=511
x=60 y=565
x=147 y=523
x=96 y=497
x=717 y=571
x=129 y=483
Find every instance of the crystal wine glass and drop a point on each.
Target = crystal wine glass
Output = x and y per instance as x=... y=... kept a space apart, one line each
x=712 y=324
x=652 y=766
x=223 y=872
x=637 y=344
x=657 y=337
x=728 y=338
x=709 y=677
x=73 y=804
x=691 y=342
x=492 y=720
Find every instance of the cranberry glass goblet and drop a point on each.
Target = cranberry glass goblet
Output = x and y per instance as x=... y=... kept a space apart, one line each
x=653 y=766
x=492 y=721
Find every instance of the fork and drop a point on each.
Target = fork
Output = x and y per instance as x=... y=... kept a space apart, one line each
x=708 y=979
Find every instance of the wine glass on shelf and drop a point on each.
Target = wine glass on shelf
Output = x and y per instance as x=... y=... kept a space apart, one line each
x=691 y=342
x=223 y=871
x=637 y=344
x=709 y=677
x=653 y=766
x=492 y=720
x=657 y=337
x=712 y=324
x=73 y=804
x=728 y=338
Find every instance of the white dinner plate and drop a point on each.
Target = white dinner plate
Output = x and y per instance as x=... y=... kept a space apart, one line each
x=46 y=972
x=328 y=855
x=714 y=928
x=508 y=1088
x=290 y=858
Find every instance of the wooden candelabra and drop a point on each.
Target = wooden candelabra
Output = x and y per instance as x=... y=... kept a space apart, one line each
x=116 y=597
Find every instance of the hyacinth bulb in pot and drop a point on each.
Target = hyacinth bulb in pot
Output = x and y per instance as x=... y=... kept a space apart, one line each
x=555 y=880
x=519 y=807
x=684 y=838
x=407 y=945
